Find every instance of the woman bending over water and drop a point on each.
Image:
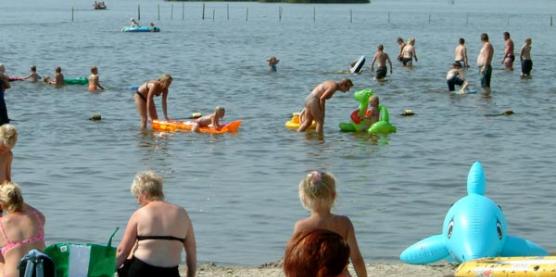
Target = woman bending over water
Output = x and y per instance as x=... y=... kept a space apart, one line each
x=144 y=98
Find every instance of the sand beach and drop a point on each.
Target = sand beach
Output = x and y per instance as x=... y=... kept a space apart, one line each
x=374 y=269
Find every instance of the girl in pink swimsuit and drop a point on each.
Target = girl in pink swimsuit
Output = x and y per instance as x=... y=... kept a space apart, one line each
x=21 y=229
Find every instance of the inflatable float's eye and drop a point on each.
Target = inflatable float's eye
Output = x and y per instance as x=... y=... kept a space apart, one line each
x=499 y=207
x=499 y=229
x=450 y=228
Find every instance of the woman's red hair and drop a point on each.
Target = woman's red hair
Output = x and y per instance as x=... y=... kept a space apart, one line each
x=319 y=253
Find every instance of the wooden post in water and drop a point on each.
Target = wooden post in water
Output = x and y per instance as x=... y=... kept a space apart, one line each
x=172 y=12
x=183 y=11
x=72 y=11
x=247 y=14
x=158 y=14
x=429 y=18
x=388 y=17
x=551 y=21
x=139 y=12
x=350 y=16
x=279 y=14
x=203 y=16
x=227 y=11
x=213 y=11
x=314 y=14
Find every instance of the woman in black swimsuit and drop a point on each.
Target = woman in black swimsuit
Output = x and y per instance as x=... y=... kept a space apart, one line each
x=155 y=234
x=144 y=98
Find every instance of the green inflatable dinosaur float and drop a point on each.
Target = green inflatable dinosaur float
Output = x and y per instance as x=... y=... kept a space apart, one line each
x=359 y=123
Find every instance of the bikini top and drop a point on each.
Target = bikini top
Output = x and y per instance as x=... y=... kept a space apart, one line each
x=160 y=238
x=39 y=237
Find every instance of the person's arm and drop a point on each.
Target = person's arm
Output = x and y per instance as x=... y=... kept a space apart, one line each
x=190 y=246
x=214 y=121
x=522 y=53
x=465 y=61
x=9 y=160
x=389 y=62
x=97 y=83
x=164 y=104
x=373 y=63
x=128 y=241
x=151 y=108
x=490 y=53
x=355 y=254
x=414 y=53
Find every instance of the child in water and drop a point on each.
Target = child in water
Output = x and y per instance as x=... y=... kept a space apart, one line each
x=34 y=76
x=317 y=192
x=272 y=62
x=8 y=139
x=212 y=120
x=94 y=82
x=373 y=113
x=455 y=76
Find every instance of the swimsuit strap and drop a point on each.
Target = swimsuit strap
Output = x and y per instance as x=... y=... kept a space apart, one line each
x=160 y=238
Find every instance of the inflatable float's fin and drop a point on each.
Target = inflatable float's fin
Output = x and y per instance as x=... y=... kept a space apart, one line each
x=426 y=251
x=516 y=246
x=476 y=180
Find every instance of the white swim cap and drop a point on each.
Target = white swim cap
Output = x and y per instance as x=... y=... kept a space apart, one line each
x=131 y=19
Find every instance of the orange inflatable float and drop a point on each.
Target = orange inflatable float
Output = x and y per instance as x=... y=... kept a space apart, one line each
x=187 y=126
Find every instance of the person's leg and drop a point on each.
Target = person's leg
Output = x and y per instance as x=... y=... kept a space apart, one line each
x=306 y=121
x=464 y=87
x=320 y=125
x=488 y=75
x=451 y=86
x=141 y=109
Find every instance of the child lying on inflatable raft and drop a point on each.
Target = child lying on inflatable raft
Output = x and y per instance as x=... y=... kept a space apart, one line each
x=373 y=119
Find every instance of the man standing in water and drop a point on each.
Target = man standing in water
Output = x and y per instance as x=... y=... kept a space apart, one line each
x=461 y=54
x=381 y=58
x=484 y=61
x=315 y=103
x=525 y=57
x=509 y=57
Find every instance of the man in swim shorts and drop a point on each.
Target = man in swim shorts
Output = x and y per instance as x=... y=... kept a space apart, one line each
x=381 y=58
x=461 y=54
x=508 y=60
x=484 y=61
x=315 y=103
x=525 y=57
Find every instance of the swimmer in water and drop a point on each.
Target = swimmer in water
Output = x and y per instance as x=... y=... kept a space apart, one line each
x=94 y=82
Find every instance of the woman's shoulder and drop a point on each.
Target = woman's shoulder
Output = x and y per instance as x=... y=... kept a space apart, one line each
x=343 y=220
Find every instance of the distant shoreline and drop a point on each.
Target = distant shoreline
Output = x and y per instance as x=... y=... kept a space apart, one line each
x=285 y=1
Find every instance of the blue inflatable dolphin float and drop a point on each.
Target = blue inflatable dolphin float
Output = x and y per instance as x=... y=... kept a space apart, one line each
x=474 y=227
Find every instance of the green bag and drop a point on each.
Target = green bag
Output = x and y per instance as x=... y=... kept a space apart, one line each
x=83 y=260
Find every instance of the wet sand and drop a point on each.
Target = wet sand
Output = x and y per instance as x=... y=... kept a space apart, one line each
x=275 y=270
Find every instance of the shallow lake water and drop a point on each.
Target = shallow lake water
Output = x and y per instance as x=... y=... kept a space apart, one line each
x=241 y=190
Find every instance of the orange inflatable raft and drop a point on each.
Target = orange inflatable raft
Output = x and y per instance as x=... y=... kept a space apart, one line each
x=187 y=126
